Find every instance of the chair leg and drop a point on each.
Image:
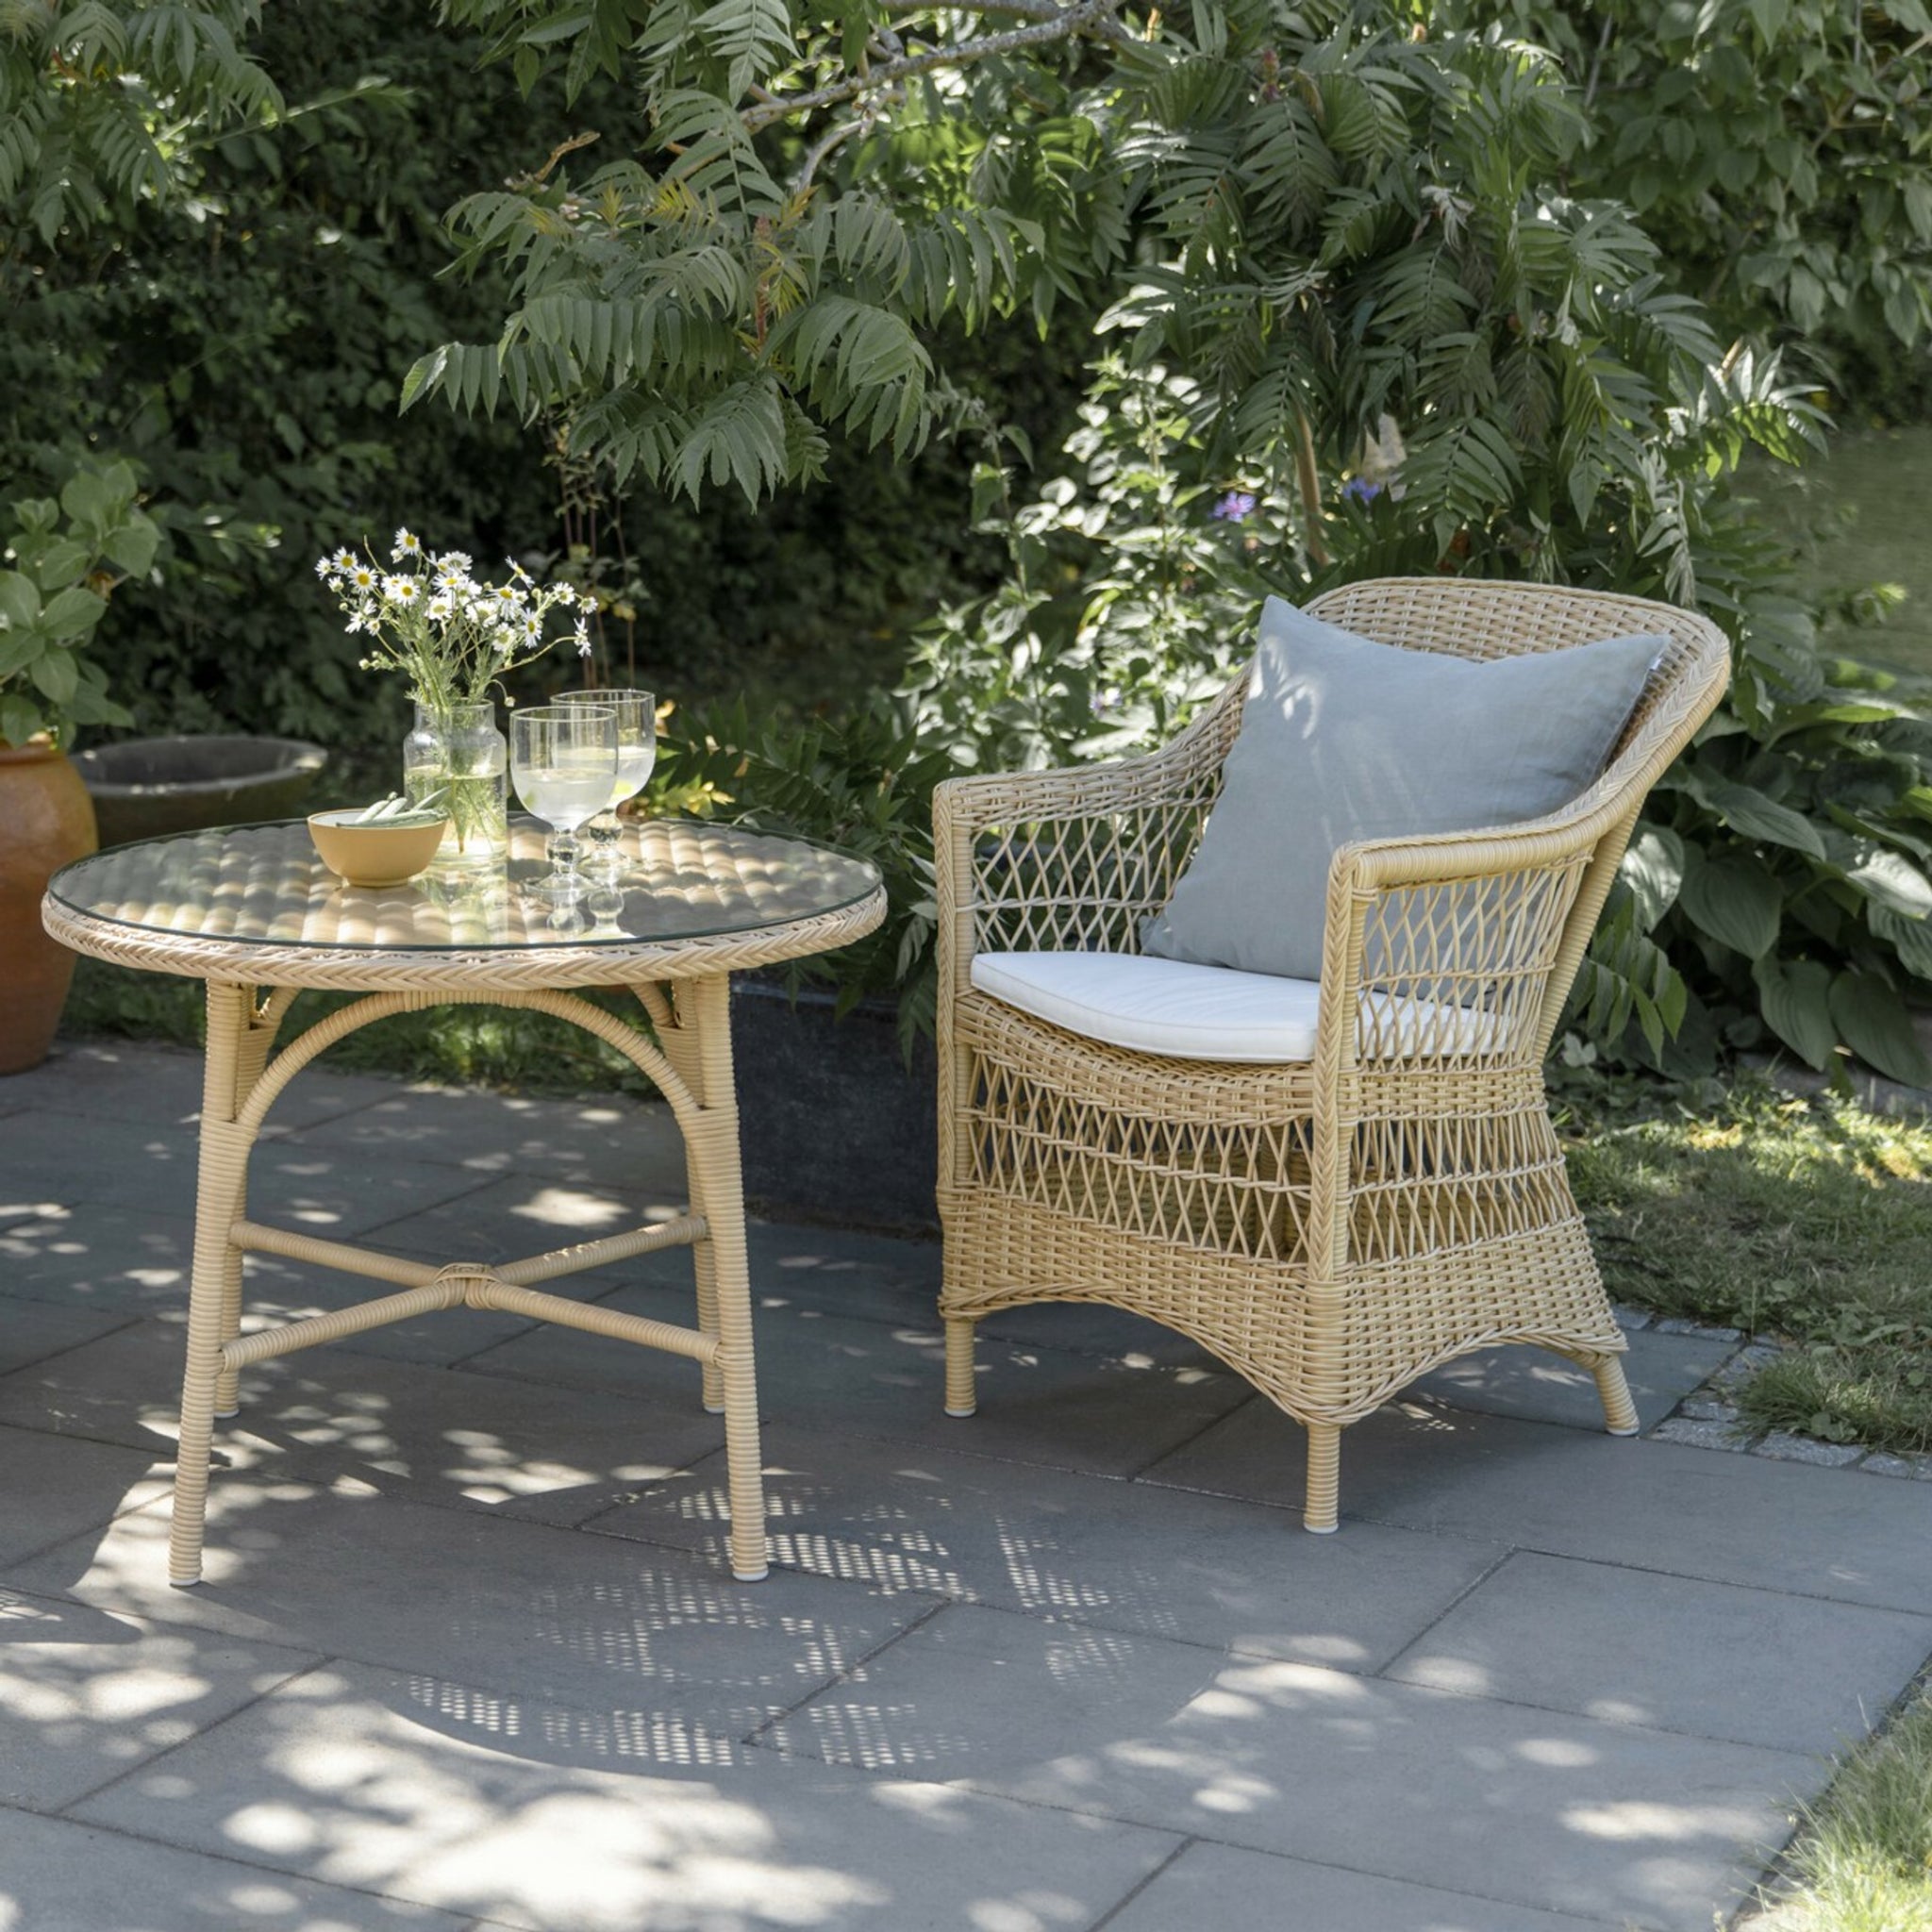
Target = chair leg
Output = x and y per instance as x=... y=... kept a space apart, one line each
x=962 y=1394
x=1619 y=1412
x=1325 y=1478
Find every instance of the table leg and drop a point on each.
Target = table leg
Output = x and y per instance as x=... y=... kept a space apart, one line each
x=224 y=1179
x=718 y=1188
x=682 y=1044
x=251 y=1054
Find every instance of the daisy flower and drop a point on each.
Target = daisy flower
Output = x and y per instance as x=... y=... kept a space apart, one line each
x=507 y=593
x=582 y=641
x=455 y=563
x=406 y=545
x=363 y=576
x=400 y=590
x=533 y=630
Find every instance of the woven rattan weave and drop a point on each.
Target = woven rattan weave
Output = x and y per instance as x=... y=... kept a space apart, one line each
x=1335 y=1228
x=252 y=911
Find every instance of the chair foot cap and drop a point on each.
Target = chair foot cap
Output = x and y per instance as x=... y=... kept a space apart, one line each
x=1320 y=1528
x=185 y=1582
x=1635 y=1428
x=228 y=1415
x=962 y=1413
x=714 y=1408
x=757 y=1575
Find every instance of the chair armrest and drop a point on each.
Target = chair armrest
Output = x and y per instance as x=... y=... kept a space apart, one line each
x=1465 y=944
x=1058 y=859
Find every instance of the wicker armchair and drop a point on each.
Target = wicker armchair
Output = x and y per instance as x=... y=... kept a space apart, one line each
x=1330 y=1227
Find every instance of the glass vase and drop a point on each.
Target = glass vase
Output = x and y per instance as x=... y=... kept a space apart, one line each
x=458 y=752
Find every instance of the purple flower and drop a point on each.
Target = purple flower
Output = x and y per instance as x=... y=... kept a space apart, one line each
x=1361 y=489
x=1235 y=507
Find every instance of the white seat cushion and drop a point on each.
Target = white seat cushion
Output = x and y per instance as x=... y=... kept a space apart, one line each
x=1189 y=1012
x=1158 y=1006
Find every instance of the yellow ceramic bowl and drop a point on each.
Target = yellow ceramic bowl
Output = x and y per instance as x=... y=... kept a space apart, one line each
x=388 y=853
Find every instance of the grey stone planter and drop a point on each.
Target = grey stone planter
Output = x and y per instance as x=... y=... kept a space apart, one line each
x=835 y=1129
x=144 y=788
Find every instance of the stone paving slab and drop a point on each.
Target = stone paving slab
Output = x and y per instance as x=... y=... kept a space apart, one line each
x=70 y=1157
x=96 y=1254
x=1631 y=1646
x=1080 y=1548
x=51 y=1489
x=59 y=1876
x=86 y=1696
x=1646 y=1504
x=1218 y=1885
x=123 y=1081
x=536 y=1615
x=425 y=1788
x=1540 y=1386
x=618 y=1143
x=1577 y=1816
x=454 y=1439
x=32 y=1332
x=1101 y=1414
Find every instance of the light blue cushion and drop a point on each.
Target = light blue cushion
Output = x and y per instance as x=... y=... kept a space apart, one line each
x=1343 y=738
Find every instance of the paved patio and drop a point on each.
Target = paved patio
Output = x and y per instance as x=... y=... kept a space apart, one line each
x=469 y=1654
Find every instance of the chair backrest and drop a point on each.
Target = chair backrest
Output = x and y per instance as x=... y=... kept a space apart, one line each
x=1477 y=618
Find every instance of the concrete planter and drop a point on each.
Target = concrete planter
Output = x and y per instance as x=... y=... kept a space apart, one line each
x=145 y=788
x=835 y=1129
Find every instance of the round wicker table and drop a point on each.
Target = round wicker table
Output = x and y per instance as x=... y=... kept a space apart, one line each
x=251 y=911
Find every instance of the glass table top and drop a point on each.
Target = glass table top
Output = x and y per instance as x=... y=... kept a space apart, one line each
x=264 y=884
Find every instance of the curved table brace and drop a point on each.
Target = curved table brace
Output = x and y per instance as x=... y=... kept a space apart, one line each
x=691 y=1067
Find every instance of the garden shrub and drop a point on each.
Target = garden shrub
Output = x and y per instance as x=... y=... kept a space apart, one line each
x=1779 y=152
x=240 y=337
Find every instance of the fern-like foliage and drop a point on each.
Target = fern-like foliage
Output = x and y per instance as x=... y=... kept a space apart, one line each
x=104 y=105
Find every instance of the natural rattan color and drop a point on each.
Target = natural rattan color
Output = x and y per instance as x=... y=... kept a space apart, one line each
x=249 y=912
x=1332 y=1228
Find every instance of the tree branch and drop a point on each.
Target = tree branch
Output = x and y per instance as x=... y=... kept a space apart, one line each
x=1054 y=23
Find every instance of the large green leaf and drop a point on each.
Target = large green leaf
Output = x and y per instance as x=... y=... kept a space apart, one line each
x=54 y=676
x=71 y=613
x=1734 y=898
x=1795 y=998
x=20 y=718
x=1873 y=1022
x=1653 y=868
x=1910 y=937
x=20 y=603
x=1747 y=810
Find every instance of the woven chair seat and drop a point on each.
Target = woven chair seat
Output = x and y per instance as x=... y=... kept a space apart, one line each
x=1335 y=1185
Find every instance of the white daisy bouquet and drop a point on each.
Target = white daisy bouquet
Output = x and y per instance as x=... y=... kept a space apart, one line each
x=450 y=634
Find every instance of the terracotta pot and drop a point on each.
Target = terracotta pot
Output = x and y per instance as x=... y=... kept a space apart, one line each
x=46 y=820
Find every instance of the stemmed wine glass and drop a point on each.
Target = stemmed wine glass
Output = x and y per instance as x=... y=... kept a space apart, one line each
x=637 y=751
x=564 y=760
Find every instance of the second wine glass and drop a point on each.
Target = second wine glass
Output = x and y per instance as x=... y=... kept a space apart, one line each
x=636 y=752
x=563 y=762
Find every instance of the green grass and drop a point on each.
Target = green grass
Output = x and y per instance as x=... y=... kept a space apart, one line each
x=1863 y=1859
x=1857 y=516
x=1810 y=1219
